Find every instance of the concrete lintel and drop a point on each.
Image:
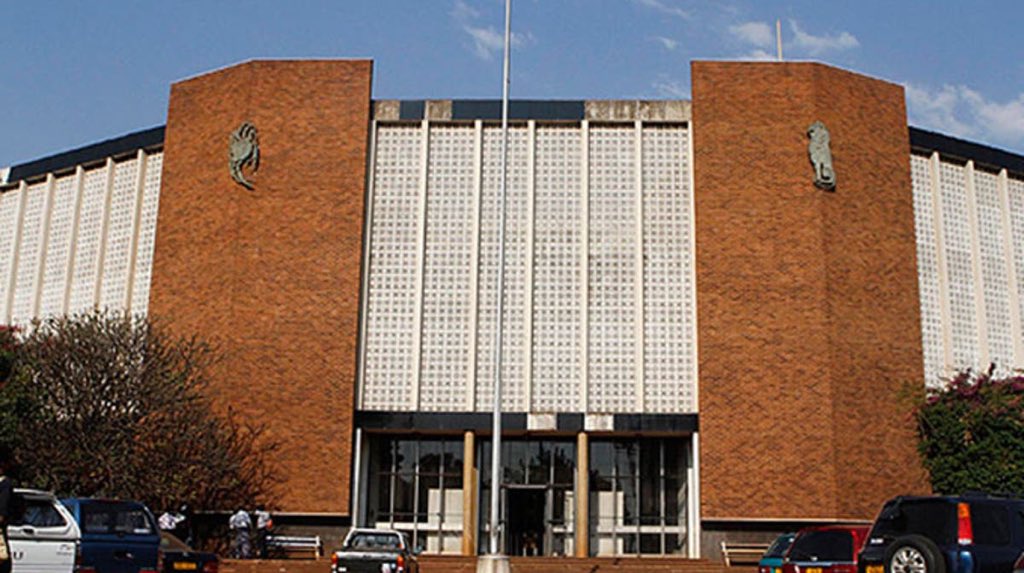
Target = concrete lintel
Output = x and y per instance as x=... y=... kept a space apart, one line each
x=386 y=110
x=632 y=110
x=541 y=422
x=599 y=422
x=439 y=110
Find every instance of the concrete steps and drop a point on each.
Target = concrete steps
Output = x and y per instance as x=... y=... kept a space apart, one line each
x=460 y=564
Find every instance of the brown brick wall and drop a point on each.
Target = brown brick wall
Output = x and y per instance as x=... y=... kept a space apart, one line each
x=272 y=275
x=808 y=315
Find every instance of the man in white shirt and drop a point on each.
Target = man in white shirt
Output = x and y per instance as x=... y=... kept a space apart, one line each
x=241 y=524
x=263 y=525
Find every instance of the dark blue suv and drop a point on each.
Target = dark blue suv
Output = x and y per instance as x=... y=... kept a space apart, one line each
x=117 y=536
x=945 y=534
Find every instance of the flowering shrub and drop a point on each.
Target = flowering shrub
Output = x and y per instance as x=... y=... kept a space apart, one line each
x=972 y=434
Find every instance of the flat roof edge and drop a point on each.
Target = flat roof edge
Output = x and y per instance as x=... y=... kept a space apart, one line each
x=145 y=139
x=960 y=149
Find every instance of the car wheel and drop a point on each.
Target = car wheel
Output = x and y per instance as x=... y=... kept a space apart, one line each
x=914 y=554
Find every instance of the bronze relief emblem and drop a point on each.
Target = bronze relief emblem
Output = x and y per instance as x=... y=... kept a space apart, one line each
x=243 y=153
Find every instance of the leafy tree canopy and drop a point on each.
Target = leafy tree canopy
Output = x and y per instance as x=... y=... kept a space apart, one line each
x=111 y=405
x=972 y=434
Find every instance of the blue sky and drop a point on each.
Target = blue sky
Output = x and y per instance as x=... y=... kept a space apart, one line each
x=76 y=72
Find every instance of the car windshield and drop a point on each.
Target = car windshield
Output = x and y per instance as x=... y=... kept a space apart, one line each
x=374 y=541
x=122 y=518
x=779 y=546
x=822 y=546
x=932 y=518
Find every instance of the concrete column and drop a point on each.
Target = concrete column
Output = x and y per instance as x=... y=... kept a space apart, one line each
x=468 y=494
x=7 y=306
x=357 y=478
x=582 y=495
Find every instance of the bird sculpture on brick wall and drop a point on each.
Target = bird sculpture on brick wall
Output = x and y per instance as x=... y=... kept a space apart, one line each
x=243 y=151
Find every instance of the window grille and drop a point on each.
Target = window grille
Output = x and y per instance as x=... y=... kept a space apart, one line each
x=614 y=214
x=1015 y=189
x=515 y=338
x=668 y=288
x=928 y=270
x=147 y=234
x=447 y=346
x=8 y=230
x=956 y=236
x=119 y=236
x=391 y=367
x=558 y=319
x=994 y=272
x=58 y=248
x=87 y=251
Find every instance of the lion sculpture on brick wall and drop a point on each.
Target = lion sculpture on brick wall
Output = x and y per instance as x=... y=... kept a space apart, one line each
x=821 y=156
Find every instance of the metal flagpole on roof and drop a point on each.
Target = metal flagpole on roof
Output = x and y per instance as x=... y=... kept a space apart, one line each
x=500 y=295
x=778 y=38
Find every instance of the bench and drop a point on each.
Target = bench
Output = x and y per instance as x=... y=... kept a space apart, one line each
x=284 y=544
x=742 y=553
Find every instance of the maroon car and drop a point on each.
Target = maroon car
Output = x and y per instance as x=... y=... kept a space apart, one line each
x=826 y=549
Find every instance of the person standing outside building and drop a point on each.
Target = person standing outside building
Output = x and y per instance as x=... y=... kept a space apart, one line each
x=6 y=505
x=241 y=525
x=184 y=530
x=263 y=525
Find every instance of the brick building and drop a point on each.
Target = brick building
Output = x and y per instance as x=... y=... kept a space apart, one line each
x=699 y=345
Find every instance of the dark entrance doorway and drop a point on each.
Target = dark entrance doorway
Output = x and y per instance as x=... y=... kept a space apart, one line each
x=526 y=532
x=536 y=509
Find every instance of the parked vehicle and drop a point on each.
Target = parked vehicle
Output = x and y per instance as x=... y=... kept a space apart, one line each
x=826 y=549
x=771 y=561
x=43 y=536
x=945 y=534
x=117 y=536
x=176 y=556
x=374 y=551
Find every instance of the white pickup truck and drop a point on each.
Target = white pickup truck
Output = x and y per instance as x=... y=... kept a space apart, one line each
x=44 y=538
x=374 y=551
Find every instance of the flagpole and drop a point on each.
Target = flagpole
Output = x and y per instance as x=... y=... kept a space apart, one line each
x=496 y=475
x=778 y=38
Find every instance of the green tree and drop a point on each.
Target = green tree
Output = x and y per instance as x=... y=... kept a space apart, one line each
x=972 y=434
x=108 y=404
x=8 y=347
x=13 y=403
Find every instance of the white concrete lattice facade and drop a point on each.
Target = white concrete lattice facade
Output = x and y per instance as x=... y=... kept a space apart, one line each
x=600 y=309
x=79 y=240
x=970 y=256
